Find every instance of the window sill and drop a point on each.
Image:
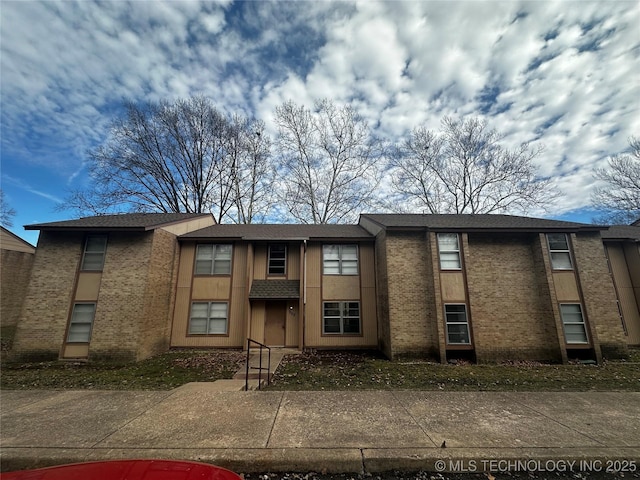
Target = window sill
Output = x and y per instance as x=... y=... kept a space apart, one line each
x=201 y=335
x=459 y=346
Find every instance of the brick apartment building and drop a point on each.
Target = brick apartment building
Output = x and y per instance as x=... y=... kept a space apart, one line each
x=488 y=287
x=102 y=287
x=493 y=287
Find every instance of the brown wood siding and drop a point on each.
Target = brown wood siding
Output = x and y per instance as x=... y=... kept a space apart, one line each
x=293 y=318
x=257 y=320
x=321 y=288
x=75 y=351
x=212 y=288
x=260 y=254
x=189 y=225
x=314 y=265
x=566 y=286
x=238 y=305
x=453 y=289
x=293 y=262
x=339 y=287
x=625 y=291
x=632 y=255
x=10 y=242
x=88 y=286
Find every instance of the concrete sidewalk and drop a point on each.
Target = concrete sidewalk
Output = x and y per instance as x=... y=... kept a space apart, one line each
x=369 y=431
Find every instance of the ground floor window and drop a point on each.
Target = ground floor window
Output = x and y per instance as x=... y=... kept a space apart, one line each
x=341 y=318
x=575 y=330
x=81 y=323
x=208 y=318
x=457 y=324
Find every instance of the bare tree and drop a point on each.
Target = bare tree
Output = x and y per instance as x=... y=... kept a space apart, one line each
x=619 y=197
x=252 y=173
x=328 y=161
x=464 y=168
x=6 y=212
x=172 y=157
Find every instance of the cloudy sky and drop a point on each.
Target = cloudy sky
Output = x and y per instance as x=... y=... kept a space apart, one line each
x=563 y=74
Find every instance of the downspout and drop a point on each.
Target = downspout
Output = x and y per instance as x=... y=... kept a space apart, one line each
x=304 y=291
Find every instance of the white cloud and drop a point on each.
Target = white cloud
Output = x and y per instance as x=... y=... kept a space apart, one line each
x=563 y=74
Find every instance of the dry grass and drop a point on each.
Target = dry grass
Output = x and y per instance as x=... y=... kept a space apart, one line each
x=363 y=371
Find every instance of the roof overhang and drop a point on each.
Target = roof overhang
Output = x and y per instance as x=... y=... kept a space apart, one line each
x=275 y=290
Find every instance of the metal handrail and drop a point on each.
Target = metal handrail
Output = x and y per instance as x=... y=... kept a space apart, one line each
x=260 y=367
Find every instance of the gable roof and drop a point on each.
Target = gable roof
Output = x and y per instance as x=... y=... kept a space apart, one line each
x=125 y=221
x=272 y=232
x=622 y=232
x=11 y=241
x=474 y=222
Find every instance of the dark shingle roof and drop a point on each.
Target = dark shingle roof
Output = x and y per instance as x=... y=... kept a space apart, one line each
x=622 y=232
x=281 y=289
x=125 y=221
x=469 y=222
x=280 y=232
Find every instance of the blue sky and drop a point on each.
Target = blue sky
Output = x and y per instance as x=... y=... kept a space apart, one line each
x=562 y=74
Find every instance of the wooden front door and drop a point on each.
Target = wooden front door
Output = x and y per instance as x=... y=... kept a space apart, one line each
x=274 y=325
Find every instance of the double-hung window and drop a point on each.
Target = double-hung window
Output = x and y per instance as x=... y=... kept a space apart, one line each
x=81 y=323
x=341 y=318
x=95 y=248
x=213 y=259
x=208 y=318
x=449 y=250
x=457 y=324
x=340 y=259
x=277 y=260
x=559 y=251
x=575 y=331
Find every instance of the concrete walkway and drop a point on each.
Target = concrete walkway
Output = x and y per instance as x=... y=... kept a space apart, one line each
x=367 y=431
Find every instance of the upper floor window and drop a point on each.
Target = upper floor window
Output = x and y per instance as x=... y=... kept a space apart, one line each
x=559 y=251
x=213 y=259
x=341 y=318
x=277 y=260
x=449 y=249
x=575 y=330
x=81 y=323
x=95 y=248
x=340 y=259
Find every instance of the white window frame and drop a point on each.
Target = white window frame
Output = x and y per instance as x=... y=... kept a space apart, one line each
x=556 y=253
x=76 y=322
x=568 y=320
x=99 y=253
x=283 y=260
x=209 y=318
x=343 y=264
x=215 y=255
x=344 y=308
x=445 y=251
x=465 y=323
